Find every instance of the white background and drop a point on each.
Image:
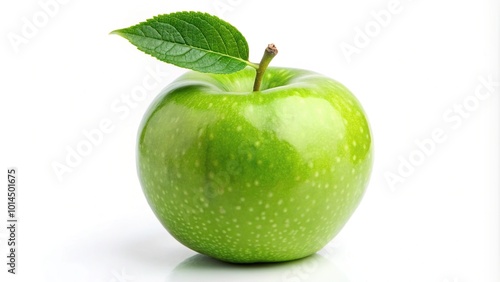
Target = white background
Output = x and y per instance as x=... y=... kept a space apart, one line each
x=441 y=224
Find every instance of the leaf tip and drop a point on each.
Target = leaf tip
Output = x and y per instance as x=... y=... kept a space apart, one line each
x=116 y=32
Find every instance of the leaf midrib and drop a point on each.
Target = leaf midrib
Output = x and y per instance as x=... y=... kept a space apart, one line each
x=185 y=45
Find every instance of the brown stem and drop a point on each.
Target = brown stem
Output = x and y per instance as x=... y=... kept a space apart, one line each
x=269 y=54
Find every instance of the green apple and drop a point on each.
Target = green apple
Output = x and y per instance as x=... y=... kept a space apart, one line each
x=254 y=176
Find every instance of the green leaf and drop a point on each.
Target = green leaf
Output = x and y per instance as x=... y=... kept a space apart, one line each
x=192 y=40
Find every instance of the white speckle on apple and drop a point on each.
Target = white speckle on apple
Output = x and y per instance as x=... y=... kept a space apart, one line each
x=280 y=202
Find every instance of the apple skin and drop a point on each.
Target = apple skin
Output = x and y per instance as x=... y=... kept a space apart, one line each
x=248 y=176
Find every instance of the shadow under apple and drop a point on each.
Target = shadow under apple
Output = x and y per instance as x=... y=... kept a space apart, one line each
x=203 y=268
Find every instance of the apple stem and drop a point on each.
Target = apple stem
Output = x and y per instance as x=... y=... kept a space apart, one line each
x=270 y=52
